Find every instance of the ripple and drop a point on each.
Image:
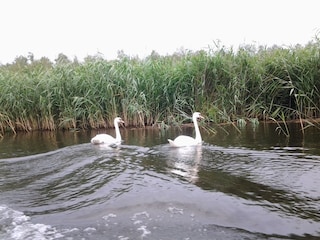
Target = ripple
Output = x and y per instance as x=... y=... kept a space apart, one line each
x=141 y=188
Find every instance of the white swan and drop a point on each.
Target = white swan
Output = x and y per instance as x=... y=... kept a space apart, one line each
x=183 y=141
x=106 y=138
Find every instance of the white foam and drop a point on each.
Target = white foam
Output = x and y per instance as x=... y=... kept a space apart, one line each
x=144 y=230
x=175 y=210
x=90 y=229
x=18 y=227
x=140 y=214
x=110 y=215
x=123 y=238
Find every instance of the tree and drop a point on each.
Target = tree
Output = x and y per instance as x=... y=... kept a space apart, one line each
x=62 y=59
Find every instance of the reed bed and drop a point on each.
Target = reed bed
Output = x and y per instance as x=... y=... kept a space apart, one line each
x=246 y=85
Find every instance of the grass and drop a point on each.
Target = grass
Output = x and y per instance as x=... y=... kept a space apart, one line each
x=248 y=85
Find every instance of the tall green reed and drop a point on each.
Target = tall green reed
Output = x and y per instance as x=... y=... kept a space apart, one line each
x=278 y=84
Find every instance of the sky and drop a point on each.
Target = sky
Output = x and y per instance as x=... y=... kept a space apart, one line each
x=81 y=28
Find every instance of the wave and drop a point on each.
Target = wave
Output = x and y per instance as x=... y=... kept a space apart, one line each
x=86 y=191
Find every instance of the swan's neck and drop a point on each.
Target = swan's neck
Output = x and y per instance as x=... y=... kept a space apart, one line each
x=196 y=127
x=118 y=135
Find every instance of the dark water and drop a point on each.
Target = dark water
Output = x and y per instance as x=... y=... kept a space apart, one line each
x=249 y=185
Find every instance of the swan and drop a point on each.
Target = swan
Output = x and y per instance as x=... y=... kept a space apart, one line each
x=183 y=141
x=106 y=138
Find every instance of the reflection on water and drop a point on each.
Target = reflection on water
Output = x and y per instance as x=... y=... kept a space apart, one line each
x=183 y=161
x=253 y=185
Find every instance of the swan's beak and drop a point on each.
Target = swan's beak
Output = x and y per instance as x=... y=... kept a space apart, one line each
x=201 y=117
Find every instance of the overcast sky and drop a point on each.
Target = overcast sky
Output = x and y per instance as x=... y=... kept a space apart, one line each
x=78 y=28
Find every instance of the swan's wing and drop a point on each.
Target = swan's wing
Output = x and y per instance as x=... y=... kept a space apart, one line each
x=182 y=141
x=103 y=139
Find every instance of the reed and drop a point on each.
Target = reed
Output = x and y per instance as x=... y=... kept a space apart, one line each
x=246 y=85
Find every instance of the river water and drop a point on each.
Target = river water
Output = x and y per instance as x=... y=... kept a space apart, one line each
x=252 y=184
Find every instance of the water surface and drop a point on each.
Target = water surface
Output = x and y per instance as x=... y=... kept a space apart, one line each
x=252 y=184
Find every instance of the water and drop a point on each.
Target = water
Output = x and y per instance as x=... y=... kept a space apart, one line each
x=249 y=185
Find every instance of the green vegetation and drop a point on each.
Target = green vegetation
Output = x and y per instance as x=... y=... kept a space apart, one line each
x=246 y=85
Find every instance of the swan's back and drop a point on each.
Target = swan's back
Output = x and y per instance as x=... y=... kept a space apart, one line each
x=103 y=139
x=183 y=141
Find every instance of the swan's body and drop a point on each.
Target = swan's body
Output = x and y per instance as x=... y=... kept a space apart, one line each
x=106 y=138
x=184 y=141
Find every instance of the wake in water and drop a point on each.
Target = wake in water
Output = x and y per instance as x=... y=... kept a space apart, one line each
x=131 y=192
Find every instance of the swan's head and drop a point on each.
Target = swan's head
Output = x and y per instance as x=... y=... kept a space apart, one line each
x=118 y=120
x=197 y=115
